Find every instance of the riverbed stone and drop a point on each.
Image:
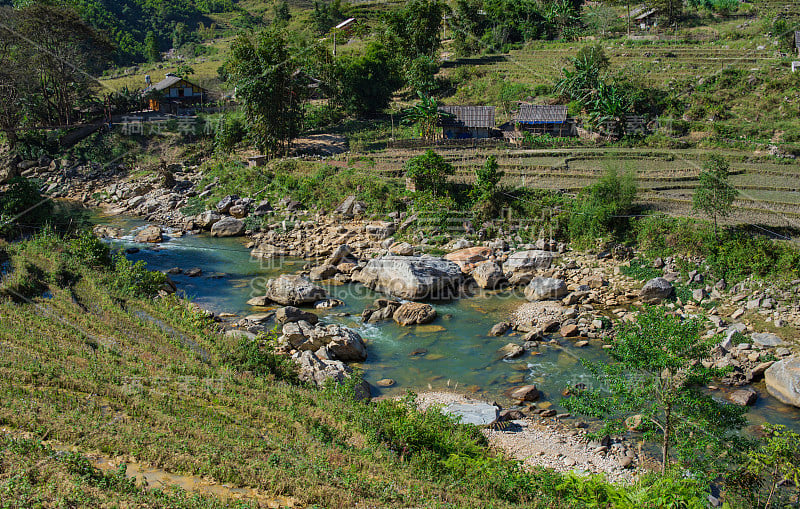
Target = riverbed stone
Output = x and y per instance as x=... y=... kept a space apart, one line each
x=469 y=257
x=499 y=329
x=227 y=227
x=401 y=249
x=321 y=272
x=511 y=351
x=525 y=393
x=318 y=370
x=207 y=219
x=743 y=397
x=342 y=343
x=766 y=339
x=149 y=234
x=479 y=414
x=412 y=277
x=657 y=289
x=414 y=313
x=528 y=260
x=290 y=314
x=783 y=380
x=293 y=290
x=545 y=288
x=488 y=275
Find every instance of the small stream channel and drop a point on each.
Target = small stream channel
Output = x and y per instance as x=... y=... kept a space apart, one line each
x=452 y=353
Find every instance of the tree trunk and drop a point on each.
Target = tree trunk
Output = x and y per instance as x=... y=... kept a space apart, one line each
x=628 y=4
x=665 y=444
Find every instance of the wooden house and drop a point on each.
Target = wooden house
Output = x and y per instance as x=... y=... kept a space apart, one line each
x=464 y=122
x=544 y=119
x=643 y=17
x=174 y=95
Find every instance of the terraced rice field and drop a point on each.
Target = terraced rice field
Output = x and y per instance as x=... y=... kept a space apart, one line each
x=769 y=190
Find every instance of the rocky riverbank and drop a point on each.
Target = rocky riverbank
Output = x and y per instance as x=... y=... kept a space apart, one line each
x=544 y=441
x=574 y=297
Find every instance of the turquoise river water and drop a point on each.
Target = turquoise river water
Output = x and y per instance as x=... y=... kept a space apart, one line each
x=452 y=353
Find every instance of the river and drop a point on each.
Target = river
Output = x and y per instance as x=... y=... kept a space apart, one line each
x=452 y=353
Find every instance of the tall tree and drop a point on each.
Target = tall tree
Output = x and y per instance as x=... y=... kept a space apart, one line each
x=15 y=81
x=151 y=49
x=714 y=195
x=655 y=385
x=415 y=29
x=270 y=87
x=63 y=53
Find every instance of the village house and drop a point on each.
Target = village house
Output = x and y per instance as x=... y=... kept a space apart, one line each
x=464 y=122
x=174 y=95
x=643 y=17
x=544 y=119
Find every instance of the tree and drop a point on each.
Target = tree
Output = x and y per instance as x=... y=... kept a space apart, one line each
x=421 y=75
x=62 y=53
x=714 y=195
x=588 y=69
x=15 y=82
x=367 y=82
x=415 y=29
x=654 y=385
x=281 y=13
x=183 y=71
x=425 y=115
x=669 y=10
x=777 y=458
x=484 y=191
x=600 y=209
x=151 y=49
x=270 y=87
x=429 y=171
x=326 y=15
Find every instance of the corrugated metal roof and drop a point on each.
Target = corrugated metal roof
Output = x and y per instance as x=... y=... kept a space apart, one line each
x=645 y=14
x=469 y=116
x=541 y=114
x=167 y=82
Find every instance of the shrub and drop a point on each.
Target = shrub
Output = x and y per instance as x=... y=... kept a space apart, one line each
x=598 y=211
x=133 y=279
x=258 y=356
x=22 y=207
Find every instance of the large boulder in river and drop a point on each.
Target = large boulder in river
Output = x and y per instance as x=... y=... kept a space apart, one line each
x=783 y=381
x=657 y=289
x=316 y=368
x=544 y=288
x=469 y=257
x=207 y=219
x=227 y=227
x=291 y=314
x=414 y=313
x=488 y=275
x=151 y=233
x=412 y=277
x=529 y=260
x=342 y=343
x=292 y=290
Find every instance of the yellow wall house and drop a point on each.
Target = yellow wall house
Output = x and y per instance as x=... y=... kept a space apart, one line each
x=174 y=95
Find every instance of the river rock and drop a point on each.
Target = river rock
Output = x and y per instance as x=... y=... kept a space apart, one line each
x=511 y=351
x=525 y=393
x=318 y=370
x=656 y=289
x=479 y=414
x=321 y=272
x=766 y=339
x=412 y=277
x=227 y=227
x=207 y=219
x=526 y=261
x=401 y=249
x=290 y=314
x=341 y=343
x=783 y=380
x=225 y=204
x=414 y=313
x=468 y=258
x=544 y=288
x=499 y=329
x=151 y=234
x=238 y=211
x=339 y=254
x=488 y=275
x=743 y=397
x=292 y=290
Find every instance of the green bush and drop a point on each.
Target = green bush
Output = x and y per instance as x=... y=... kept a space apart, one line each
x=22 y=208
x=258 y=356
x=133 y=279
x=599 y=210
